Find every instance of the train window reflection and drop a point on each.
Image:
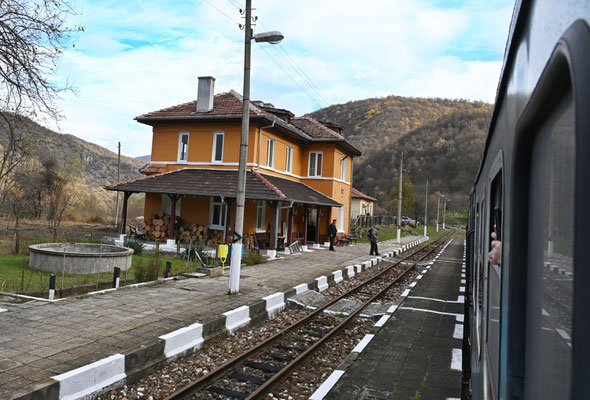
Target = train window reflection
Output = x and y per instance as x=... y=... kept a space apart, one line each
x=550 y=253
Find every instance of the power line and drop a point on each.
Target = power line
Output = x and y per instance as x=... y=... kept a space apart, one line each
x=291 y=77
x=223 y=13
x=235 y=3
x=299 y=70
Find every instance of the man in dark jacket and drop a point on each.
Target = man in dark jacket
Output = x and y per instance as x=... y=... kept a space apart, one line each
x=374 y=238
x=332 y=234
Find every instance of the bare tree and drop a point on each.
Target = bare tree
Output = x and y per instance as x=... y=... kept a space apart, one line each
x=33 y=35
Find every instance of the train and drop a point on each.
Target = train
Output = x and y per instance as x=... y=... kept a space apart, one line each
x=528 y=330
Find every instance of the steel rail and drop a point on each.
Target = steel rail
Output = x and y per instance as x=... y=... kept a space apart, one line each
x=220 y=371
x=280 y=375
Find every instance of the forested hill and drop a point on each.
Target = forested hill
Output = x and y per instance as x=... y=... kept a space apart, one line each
x=442 y=141
x=87 y=167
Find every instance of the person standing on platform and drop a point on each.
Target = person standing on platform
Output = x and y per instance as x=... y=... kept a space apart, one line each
x=332 y=234
x=374 y=238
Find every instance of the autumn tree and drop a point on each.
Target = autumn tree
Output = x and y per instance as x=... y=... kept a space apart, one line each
x=408 y=196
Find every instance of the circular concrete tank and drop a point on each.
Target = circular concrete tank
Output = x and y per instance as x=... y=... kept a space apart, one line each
x=78 y=258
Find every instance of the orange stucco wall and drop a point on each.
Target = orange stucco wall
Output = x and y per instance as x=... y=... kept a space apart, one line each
x=195 y=209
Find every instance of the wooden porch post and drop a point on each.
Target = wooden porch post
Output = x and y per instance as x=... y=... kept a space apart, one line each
x=290 y=218
x=317 y=227
x=305 y=222
x=172 y=226
x=273 y=225
x=126 y=196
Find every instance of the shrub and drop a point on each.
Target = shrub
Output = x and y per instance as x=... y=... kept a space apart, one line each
x=149 y=272
x=136 y=245
x=252 y=258
x=94 y=219
x=190 y=254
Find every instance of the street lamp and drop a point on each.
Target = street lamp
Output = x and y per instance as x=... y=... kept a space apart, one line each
x=273 y=37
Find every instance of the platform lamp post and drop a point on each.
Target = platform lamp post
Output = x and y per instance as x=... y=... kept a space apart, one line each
x=273 y=37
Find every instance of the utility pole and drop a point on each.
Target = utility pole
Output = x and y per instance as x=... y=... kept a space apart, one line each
x=426 y=212
x=437 y=208
x=399 y=202
x=118 y=180
x=445 y=212
x=236 y=254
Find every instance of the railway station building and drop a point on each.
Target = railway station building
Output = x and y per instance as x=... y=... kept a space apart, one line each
x=299 y=171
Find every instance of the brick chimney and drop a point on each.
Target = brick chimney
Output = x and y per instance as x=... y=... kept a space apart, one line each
x=205 y=93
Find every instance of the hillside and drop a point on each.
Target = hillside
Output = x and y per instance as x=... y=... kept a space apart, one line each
x=98 y=165
x=442 y=141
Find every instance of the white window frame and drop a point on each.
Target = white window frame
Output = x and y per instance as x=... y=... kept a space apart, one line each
x=214 y=147
x=180 y=157
x=343 y=169
x=216 y=202
x=270 y=153
x=289 y=160
x=316 y=163
x=261 y=215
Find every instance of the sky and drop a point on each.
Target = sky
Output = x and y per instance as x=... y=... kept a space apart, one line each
x=137 y=56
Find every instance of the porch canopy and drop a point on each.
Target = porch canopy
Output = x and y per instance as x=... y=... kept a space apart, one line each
x=221 y=183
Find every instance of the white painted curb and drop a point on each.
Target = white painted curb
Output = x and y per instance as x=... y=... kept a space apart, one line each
x=189 y=337
x=301 y=288
x=91 y=378
x=350 y=271
x=275 y=303
x=237 y=318
x=322 y=283
x=338 y=276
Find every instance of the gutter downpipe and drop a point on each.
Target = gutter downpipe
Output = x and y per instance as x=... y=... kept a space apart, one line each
x=259 y=138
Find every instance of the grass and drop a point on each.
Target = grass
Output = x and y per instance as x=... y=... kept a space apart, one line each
x=15 y=275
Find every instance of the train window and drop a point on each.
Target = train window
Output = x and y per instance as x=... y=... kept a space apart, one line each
x=493 y=274
x=550 y=273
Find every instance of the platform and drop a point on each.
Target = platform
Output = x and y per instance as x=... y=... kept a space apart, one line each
x=414 y=352
x=77 y=346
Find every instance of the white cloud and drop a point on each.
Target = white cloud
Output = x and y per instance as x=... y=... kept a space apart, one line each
x=139 y=56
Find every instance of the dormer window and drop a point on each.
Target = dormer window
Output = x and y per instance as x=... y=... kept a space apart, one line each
x=183 y=146
x=217 y=156
x=315 y=163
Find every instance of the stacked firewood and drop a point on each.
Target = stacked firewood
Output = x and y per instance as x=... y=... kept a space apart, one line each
x=156 y=228
x=191 y=232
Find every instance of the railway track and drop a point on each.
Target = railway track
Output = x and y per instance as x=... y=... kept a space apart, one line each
x=260 y=369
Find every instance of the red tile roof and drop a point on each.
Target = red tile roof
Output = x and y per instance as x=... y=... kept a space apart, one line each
x=228 y=106
x=223 y=182
x=357 y=194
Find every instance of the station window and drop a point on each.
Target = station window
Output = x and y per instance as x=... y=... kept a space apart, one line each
x=289 y=160
x=182 y=146
x=260 y=216
x=270 y=160
x=315 y=163
x=218 y=211
x=217 y=147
